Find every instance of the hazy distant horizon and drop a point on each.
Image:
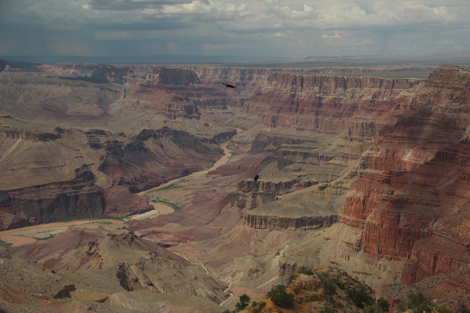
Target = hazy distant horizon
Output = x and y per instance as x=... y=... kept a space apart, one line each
x=458 y=58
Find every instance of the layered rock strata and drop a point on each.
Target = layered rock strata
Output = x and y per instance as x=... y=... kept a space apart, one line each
x=50 y=203
x=245 y=80
x=177 y=93
x=283 y=223
x=416 y=209
x=329 y=103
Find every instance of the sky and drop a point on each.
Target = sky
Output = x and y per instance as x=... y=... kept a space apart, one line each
x=293 y=29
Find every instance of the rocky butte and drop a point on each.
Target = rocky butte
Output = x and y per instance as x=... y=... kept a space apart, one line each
x=363 y=173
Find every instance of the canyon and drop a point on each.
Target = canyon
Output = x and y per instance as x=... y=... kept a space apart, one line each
x=364 y=173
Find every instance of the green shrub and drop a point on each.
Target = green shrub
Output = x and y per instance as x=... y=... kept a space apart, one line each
x=373 y=308
x=327 y=310
x=330 y=287
x=442 y=309
x=419 y=303
x=306 y=271
x=4 y=244
x=292 y=278
x=462 y=309
x=280 y=297
x=382 y=306
x=243 y=303
x=401 y=307
x=360 y=296
x=260 y=306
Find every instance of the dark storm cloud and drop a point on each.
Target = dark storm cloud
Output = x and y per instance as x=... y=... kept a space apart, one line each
x=131 y=5
x=151 y=25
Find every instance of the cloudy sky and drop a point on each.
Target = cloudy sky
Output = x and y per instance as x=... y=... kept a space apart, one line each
x=275 y=28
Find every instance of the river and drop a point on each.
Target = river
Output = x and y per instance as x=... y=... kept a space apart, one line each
x=161 y=208
x=21 y=236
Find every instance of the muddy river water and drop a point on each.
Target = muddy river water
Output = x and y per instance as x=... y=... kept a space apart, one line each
x=161 y=208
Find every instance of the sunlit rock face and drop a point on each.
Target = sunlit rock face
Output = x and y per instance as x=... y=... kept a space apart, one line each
x=329 y=103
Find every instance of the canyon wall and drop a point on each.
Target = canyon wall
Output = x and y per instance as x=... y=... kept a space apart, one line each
x=50 y=203
x=329 y=103
x=117 y=73
x=29 y=96
x=416 y=209
x=284 y=223
x=245 y=80
x=177 y=93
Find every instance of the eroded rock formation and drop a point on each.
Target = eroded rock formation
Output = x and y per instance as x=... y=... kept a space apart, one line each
x=415 y=210
x=329 y=103
x=283 y=223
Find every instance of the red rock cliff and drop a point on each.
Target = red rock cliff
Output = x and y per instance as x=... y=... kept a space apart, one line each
x=329 y=103
x=418 y=208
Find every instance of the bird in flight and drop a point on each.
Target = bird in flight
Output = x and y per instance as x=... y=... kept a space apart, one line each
x=256 y=177
x=228 y=86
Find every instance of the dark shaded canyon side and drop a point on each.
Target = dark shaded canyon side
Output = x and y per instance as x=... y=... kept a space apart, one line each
x=50 y=203
x=418 y=208
x=270 y=222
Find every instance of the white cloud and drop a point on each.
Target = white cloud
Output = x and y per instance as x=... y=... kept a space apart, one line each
x=445 y=42
x=277 y=35
x=336 y=35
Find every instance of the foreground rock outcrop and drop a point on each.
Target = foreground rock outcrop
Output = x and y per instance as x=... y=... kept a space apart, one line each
x=320 y=290
x=25 y=283
x=119 y=273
